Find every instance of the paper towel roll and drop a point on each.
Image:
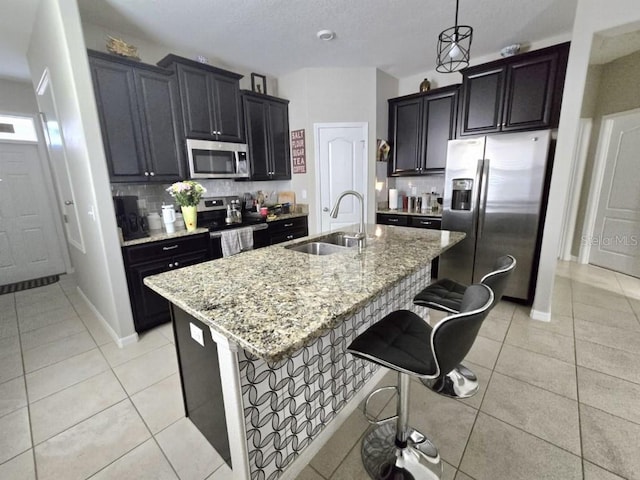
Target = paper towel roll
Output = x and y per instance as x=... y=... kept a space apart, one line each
x=393 y=199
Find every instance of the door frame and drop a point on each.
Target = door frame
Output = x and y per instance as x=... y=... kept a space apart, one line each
x=43 y=159
x=365 y=130
x=597 y=179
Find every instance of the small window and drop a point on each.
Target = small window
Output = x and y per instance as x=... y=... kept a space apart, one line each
x=17 y=128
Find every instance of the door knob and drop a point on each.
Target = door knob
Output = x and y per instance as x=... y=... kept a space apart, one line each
x=325 y=209
x=68 y=202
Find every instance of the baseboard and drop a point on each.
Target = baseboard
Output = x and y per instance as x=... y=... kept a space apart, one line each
x=314 y=447
x=121 y=342
x=540 y=315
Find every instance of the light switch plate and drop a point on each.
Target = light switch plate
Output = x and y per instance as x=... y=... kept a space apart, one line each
x=196 y=334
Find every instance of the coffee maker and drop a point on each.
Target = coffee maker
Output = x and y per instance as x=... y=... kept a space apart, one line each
x=132 y=224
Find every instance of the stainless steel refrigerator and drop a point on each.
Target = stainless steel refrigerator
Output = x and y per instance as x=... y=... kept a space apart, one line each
x=495 y=193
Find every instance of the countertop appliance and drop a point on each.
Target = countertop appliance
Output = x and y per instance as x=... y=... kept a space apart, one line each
x=495 y=192
x=132 y=224
x=210 y=159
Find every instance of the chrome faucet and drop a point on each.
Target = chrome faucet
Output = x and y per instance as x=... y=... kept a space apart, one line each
x=362 y=234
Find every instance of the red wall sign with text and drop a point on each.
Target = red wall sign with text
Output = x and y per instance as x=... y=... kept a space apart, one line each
x=298 y=155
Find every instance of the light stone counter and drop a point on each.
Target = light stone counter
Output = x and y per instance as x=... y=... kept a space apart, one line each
x=155 y=236
x=272 y=301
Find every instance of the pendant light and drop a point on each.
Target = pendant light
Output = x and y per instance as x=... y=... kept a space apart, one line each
x=454 y=46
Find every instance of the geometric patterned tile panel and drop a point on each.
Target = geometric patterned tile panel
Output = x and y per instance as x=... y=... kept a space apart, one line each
x=288 y=403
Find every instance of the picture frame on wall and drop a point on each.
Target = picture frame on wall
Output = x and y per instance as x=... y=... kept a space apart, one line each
x=258 y=83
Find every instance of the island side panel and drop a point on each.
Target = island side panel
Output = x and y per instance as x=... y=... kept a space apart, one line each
x=288 y=403
x=200 y=380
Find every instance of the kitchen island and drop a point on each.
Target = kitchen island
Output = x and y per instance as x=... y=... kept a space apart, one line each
x=276 y=323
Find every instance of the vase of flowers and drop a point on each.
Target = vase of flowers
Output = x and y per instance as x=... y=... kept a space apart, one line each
x=188 y=194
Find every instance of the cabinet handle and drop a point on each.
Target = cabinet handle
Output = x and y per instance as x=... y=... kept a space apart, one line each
x=171 y=265
x=394 y=220
x=152 y=173
x=289 y=237
x=175 y=264
x=288 y=225
x=172 y=247
x=425 y=223
x=146 y=174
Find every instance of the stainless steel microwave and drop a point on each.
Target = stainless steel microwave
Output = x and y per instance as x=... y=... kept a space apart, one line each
x=210 y=159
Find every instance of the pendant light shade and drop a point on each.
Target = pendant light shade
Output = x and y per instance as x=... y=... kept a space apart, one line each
x=454 y=47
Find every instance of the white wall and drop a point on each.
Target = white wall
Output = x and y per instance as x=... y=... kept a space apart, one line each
x=592 y=16
x=17 y=97
x=57 y=44
x=325 y=95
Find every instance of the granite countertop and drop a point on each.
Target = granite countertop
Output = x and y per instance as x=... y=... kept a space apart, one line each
x=155 y=236
x=406 y=212
x=272 y=301
x=285 y=216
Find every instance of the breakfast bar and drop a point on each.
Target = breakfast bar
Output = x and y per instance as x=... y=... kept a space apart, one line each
x=262 y=336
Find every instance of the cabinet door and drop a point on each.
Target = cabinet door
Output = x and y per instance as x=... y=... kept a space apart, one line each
x=529 y=93
x=115 y=94
x=439 y=121
x=149 y=308
x=482 y=101
x=160 y=114
x=226 y=108
x=257 y=140
x=406 y=128
x=278 y=123
x=196 y=97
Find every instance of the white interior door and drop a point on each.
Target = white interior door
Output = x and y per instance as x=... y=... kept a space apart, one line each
x=341 y=160
x=59 y=165
x=29 y=245
x=616 y=238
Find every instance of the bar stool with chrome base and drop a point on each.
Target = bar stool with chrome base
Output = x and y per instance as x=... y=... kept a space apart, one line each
x=404 y=342
x=446 y=295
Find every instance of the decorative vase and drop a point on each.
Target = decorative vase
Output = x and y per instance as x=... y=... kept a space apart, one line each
x=190 y=216
x=425 y=85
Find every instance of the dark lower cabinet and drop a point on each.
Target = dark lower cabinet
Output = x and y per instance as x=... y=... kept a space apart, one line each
x=150 y=309
x=139 y=112
x=289 y=229
x=267 y=130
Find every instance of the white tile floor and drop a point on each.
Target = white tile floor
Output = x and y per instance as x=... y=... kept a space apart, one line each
x=558 y=400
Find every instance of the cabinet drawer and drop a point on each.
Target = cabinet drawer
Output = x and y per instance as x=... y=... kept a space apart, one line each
x=426 y=222
x=288 y=224
x=165 y=248
x=290 y=234
x=386 y=219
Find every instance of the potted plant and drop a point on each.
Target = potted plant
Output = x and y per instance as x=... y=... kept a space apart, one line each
x=188 y=194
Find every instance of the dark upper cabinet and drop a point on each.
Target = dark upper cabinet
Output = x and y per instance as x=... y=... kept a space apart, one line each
x=210 y=100
x=267 y=130
x=420 y=126
x=523 y=92
x=139 y=112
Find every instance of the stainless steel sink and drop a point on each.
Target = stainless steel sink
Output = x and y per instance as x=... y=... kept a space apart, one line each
x=340 y=238
x=316 y=248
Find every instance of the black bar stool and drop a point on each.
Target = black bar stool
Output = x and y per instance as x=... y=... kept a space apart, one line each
x=404 y=342
x=446 y=295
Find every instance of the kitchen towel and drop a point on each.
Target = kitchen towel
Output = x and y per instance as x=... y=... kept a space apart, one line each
x=245 y=236
x=230 y=241
x=393 y=199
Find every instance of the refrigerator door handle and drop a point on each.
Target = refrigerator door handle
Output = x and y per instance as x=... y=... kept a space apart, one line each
x=484 y=187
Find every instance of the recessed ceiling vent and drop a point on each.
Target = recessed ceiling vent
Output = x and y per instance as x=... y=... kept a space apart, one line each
x=326 y=35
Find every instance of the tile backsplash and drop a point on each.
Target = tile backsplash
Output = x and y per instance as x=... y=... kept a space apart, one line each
x=154 y=195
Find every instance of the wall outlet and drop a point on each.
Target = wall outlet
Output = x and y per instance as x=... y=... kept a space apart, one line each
x=196 y=333
x=303 y=194
x=142 y=204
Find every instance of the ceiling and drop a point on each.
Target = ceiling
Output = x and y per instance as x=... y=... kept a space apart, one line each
x=275 y=37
